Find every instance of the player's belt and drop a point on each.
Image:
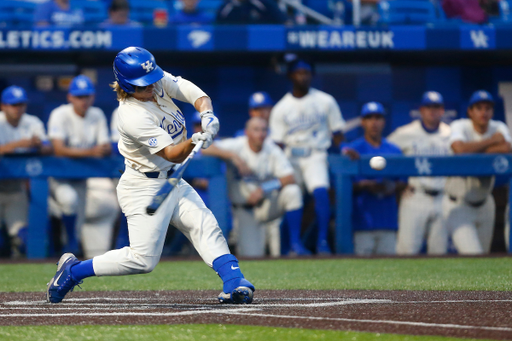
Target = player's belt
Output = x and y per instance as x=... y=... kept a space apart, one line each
x=431 y=192
x=472 y=204
x=156 y=175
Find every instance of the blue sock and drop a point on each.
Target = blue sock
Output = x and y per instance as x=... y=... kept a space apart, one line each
x=122 y=236
x=294 y=220
x=82 y=270
x=323 y=212
x=69 y=222
x=226 y=266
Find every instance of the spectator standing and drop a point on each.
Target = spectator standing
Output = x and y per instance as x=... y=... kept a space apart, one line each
x=19 y=133
x=77 y=130
x=304 y=122
x=468 y=206
x=244 y=12
x=420 y=211
x=190 y=14
x=58 y=13
x=375 y=214
x=261 y=188
x=119 y=15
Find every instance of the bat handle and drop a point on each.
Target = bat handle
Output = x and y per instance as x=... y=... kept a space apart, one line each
x=198 y=146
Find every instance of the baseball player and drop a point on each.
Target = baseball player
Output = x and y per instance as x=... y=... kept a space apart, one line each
x=76 y=129
x=19 y=133
x=375 y=214
x=468 y=206
x=153 y=139
x=420 y=211
x=263 y=192
x=304 y=121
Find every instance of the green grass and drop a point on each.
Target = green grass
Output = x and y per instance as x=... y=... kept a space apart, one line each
x=195 y=332
x=378 y=274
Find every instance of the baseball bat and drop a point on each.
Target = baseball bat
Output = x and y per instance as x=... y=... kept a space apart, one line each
x=164 y=191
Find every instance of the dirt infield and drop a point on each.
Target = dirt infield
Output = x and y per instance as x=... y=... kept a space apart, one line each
x=460 y=314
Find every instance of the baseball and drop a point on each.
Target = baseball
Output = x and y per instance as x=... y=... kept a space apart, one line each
x=378 y=162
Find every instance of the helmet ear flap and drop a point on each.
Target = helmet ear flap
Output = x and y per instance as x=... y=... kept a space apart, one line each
x=127 y=87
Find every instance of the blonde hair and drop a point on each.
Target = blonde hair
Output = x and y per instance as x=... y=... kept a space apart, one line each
x=121 y=94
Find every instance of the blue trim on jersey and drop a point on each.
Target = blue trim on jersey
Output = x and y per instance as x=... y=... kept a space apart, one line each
x=373 y=212
x=428 y=130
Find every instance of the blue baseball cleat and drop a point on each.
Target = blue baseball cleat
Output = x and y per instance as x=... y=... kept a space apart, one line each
x=63 y=282
x=242 y=294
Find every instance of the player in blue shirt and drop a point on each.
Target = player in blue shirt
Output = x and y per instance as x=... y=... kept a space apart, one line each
x=375 y=213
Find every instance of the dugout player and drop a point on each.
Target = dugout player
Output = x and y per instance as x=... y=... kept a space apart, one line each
x=153 y=139
x=420 y=211
x=19 y=133
x=468 y=206
x=304 y=121
x=375 y=214
x=77 y=130
x=264 y=192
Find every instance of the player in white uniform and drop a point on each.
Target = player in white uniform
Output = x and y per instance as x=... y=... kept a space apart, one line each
x=19 y=133
x=304 y=121
x=263 y=192
x=468 y=206
x=420 y=211
x=77 y=130
x=153 y=139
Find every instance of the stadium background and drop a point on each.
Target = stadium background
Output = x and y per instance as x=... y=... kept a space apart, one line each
x=230 y=63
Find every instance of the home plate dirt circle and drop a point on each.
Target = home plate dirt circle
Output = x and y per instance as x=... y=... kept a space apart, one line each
x=457 y=313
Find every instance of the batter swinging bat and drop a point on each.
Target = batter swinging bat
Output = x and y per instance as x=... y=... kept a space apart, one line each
x=164 y=191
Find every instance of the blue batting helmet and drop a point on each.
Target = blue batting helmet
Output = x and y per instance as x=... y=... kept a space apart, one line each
x=14 y=95
x=81 y=86
x=135 y=66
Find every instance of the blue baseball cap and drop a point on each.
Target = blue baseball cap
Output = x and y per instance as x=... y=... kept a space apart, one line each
x=14 y=95
x=432 y=98
x=480 y=96
x=260 y=99
x=299 y=64
x=372 y=108
x=81 y=86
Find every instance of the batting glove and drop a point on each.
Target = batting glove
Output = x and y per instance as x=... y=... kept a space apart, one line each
x=205 y=137
x=209 y=122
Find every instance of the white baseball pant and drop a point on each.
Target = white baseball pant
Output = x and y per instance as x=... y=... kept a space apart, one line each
x=183 y=209
x=68 y=198
x=379 y=242
x=471 y=227
x=252 y=224
x=101 y=212
x=420 y=214
x=14 y=211
x=311 y=171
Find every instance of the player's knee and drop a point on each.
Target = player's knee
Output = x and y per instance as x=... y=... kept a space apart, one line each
x=292 y=197
x=148 y=264
x=67 y=198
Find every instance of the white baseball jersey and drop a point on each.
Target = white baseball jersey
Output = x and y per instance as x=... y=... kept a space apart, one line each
x=413 y=139
x=473 y=189
x=145 y=128
x=28 y=127
x=269 y=163
x=114 y=120
x=306 y=122
x=77 y=131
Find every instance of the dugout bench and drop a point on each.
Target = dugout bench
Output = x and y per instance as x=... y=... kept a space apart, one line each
x=39 y=168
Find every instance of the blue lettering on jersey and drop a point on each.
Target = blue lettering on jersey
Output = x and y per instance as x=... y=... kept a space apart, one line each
x=175 y=126
x=304 y=122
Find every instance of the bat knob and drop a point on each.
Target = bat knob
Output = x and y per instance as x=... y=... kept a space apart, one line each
x=150 y=211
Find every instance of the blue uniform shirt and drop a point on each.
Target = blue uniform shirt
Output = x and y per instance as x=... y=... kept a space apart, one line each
x=372 y=212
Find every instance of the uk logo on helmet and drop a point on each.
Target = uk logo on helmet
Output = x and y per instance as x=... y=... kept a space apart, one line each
x=148 y=66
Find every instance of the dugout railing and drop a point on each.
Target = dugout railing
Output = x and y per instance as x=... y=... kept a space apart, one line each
x=38 y=169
